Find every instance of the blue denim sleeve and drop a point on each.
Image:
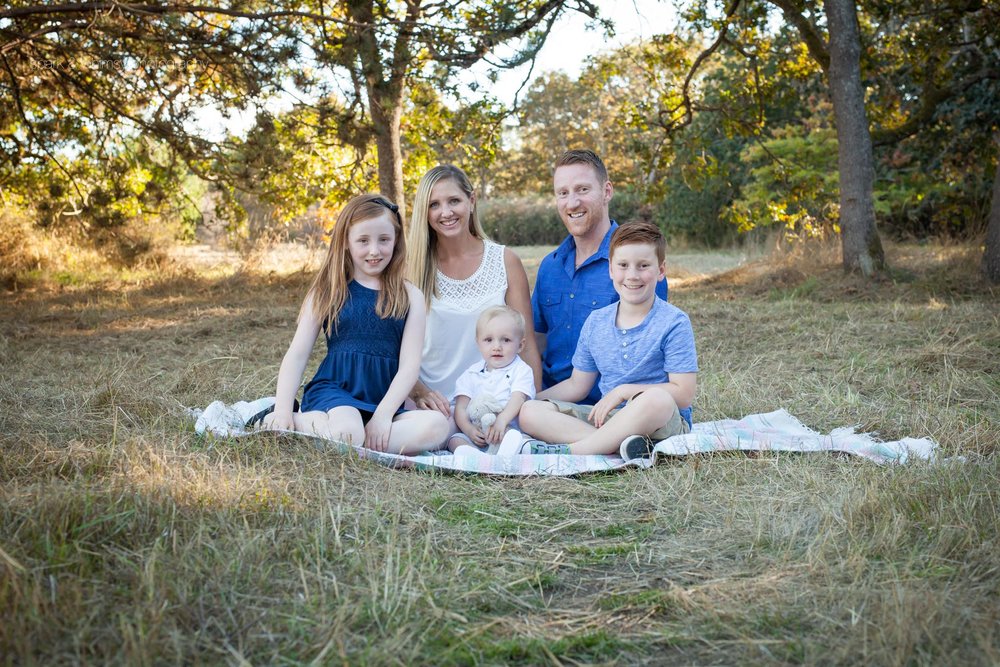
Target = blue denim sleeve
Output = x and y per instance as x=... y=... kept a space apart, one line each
x=536 y=312
x=662 y=289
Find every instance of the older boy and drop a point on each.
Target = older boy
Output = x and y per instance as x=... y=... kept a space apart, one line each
x=643 y=349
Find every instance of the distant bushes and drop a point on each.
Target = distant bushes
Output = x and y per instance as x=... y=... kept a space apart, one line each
x=535 y=221
x=521 y=220
x=31 y=252
x=20 y=247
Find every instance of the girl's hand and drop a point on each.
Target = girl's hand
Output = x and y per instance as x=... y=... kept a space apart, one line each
x=608 y=402
x=496 y=432
x=278 y=421
x=433 y=400
x=377 y=433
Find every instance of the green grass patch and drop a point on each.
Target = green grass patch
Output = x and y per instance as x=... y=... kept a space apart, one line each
x=585 y=648
x=802 y=290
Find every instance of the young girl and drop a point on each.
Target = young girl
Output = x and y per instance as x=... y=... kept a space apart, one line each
x=374 y=325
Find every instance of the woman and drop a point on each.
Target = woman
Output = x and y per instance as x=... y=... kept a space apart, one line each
x=461 y=273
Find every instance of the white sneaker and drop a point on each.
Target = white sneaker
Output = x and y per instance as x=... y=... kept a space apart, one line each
x=511 y=443
x=248 y=409
x=469 y=451
x=218 y=418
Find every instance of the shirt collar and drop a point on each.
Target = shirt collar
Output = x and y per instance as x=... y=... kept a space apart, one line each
x=568 y=247
x=486 y=369
x=654 y=310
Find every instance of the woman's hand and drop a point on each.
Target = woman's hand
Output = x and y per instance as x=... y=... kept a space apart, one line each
x=377 y=433
x=429 y=399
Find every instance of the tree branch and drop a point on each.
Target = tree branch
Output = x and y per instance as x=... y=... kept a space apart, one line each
x=812 y=37
x=931 y=99
x=488 y=42
x=31 y=130
x=670 y=125
x=170 y=8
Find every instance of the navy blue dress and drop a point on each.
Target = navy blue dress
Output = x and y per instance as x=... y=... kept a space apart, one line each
x=362 y=356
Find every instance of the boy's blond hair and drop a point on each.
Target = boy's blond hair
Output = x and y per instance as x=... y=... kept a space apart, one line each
x=494 y=312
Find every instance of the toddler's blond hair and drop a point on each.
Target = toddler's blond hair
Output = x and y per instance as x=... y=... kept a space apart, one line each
x=494 y=312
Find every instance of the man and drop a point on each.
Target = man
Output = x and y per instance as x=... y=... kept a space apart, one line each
x=574 y=279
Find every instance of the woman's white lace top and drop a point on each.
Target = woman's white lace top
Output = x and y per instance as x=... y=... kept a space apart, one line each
x=450 y=339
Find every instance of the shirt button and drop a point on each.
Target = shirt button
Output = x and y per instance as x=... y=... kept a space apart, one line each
x=626 y=356
x=625 y=344
x=572 y=296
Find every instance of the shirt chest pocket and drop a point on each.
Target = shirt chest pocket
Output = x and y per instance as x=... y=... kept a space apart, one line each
x=551 y=304
x=598 y=298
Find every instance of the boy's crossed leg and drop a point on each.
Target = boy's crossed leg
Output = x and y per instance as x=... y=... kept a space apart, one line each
x=644 y=414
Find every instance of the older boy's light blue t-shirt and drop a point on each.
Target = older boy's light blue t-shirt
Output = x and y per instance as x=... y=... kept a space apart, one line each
x=661 y=344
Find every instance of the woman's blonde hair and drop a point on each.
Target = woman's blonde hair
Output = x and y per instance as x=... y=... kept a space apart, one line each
x=329 y=287
x=422 y=267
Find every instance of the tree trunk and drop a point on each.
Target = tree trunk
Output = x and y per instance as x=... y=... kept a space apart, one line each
x=991 y=256
x=859 y=238
x=385 y=90
x=386 y=116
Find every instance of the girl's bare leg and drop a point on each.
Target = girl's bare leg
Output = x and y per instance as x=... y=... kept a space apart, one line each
x=418 y=431
x=314 y=422
x=344 y=423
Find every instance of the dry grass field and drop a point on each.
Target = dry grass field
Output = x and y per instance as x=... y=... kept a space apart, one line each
x=126 y=539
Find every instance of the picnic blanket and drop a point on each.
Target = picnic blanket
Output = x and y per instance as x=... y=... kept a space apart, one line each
x=776 y=431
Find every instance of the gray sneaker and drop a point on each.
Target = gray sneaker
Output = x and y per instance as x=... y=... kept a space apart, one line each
x=636 y=447
x=539 y=447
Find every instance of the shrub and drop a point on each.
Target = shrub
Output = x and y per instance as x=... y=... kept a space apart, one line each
x=21 y=249
x=521 y=220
